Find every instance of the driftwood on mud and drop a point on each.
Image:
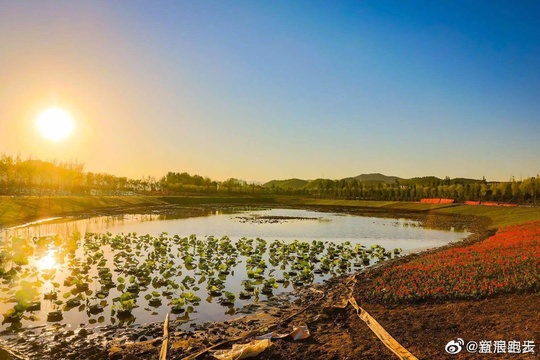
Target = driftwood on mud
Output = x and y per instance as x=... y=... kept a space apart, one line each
x=165 y=345
x=373 y=324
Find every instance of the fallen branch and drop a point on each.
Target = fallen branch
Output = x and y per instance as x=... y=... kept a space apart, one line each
x=165 y=345
x=381 y=333
x=377 y=329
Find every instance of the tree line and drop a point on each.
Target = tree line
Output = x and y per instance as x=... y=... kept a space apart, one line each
x=461 y=190
x=32 y=177
x=47 y=178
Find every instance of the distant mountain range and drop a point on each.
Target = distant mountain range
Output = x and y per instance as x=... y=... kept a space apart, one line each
x=377 y=177
x=298 y=184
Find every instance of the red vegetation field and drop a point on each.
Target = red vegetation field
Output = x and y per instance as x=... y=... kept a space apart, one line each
x=507 y=262
x=436 y=201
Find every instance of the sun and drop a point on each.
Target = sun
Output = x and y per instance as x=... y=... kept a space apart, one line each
x=55 y=124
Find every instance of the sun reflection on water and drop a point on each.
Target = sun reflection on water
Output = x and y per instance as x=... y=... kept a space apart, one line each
x=48 y=262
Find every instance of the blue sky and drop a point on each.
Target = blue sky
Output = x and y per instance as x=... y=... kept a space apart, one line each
x=261 y=90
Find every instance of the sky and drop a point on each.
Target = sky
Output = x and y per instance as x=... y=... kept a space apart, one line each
x=263 y=90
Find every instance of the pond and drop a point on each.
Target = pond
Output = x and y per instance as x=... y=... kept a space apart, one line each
x=132 y=269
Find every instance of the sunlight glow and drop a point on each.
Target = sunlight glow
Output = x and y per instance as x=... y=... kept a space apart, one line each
x=48 y=262
x=55 y=124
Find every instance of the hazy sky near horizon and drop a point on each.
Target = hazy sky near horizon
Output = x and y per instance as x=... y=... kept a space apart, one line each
x=264 y=90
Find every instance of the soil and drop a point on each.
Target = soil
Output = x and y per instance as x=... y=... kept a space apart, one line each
x=423 y=329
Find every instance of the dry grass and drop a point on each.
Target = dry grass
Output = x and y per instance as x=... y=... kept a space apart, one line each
x=14 y=210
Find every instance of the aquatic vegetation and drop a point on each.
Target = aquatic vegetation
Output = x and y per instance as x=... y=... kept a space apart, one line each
x=51 y=295
x=73 y=302
x=507 y=262
x=13 y=315
x=273 y=219
x=117 y=273
x=95 y=309
x=178 y=305
x=55 y=316
x=125 y=304
x=228 y=300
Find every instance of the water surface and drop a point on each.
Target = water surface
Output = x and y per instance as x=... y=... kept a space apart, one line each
x=66 y=247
